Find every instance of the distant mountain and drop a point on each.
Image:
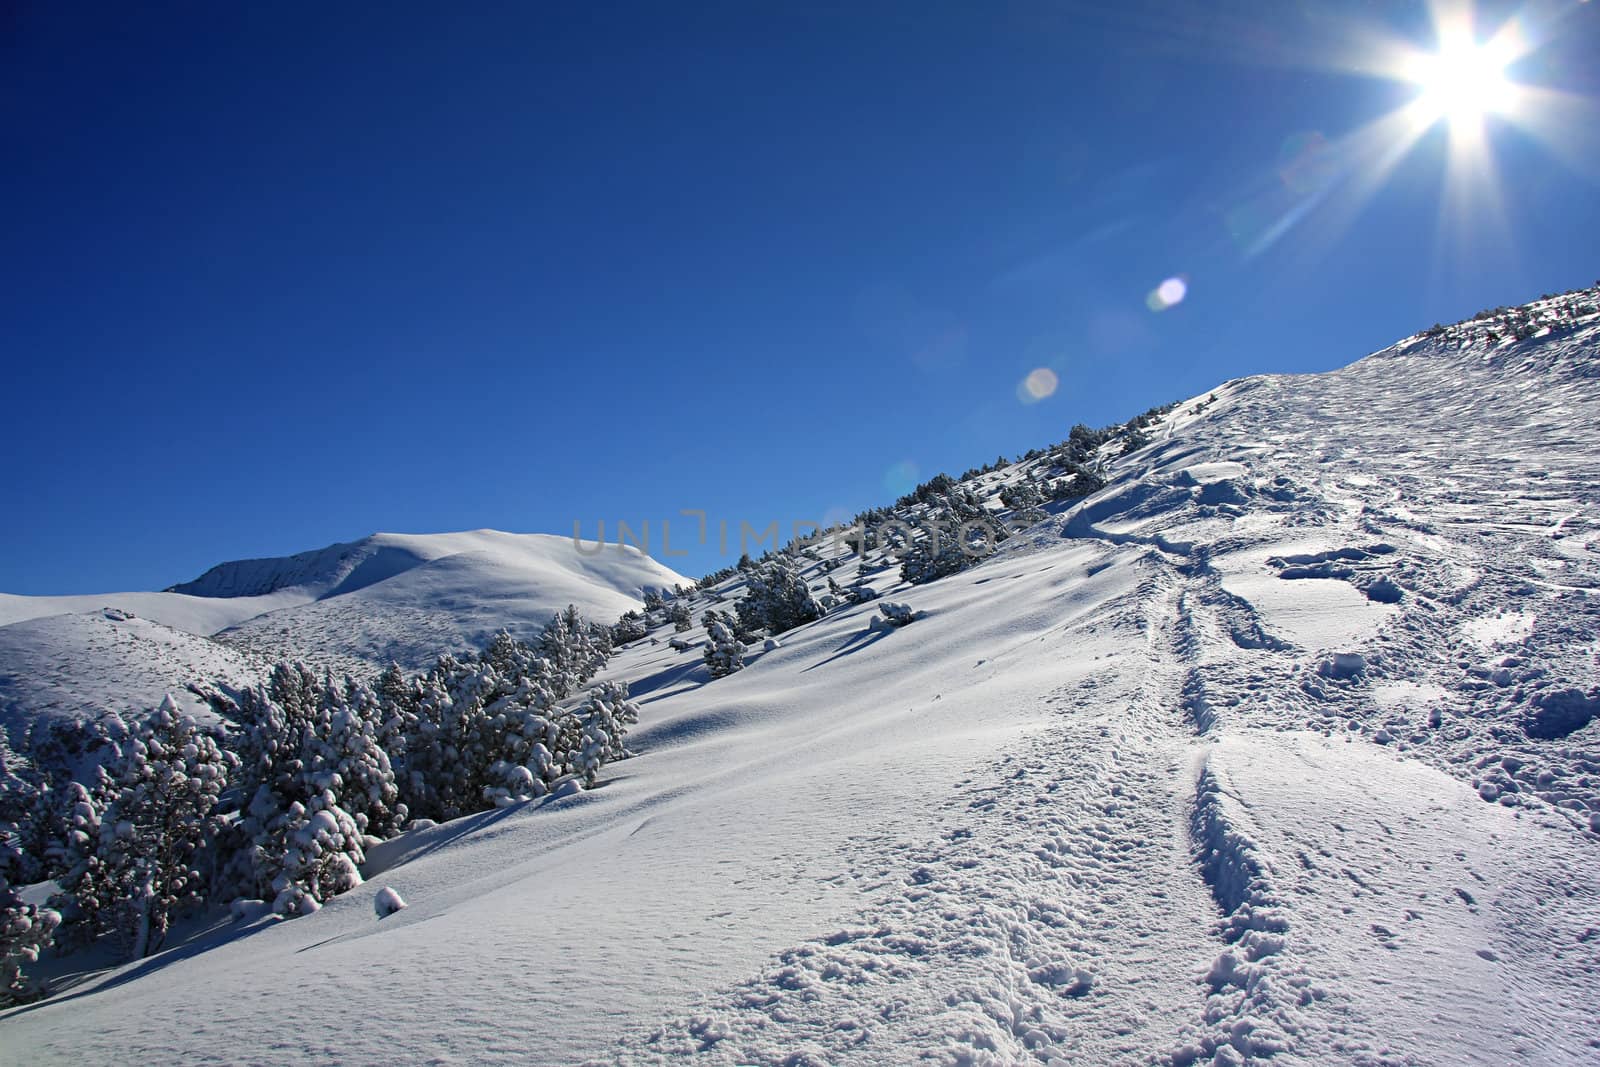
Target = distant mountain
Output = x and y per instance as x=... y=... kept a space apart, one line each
x=350 y=606
x=406 y=598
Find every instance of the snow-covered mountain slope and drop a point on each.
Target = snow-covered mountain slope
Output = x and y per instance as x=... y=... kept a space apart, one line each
x=192 y=614
x=1278 y=749
x=80 y=666
x=353 y=606
x=407 y=598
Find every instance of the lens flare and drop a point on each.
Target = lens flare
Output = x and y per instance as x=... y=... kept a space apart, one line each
x=1040 y=383
x=1169 y=293
x=901 y=478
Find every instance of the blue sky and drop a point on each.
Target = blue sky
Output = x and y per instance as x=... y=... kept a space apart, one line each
x=278 y=276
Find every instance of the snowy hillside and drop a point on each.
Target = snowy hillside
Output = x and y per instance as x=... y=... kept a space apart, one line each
x=406 y=598
x=1279 y=748
x=80 y=666
x=354 y=606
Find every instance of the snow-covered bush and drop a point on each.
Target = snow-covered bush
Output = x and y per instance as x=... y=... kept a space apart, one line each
x=386 y=902
x=680 y=616
x=898 y=614
x=724 y=654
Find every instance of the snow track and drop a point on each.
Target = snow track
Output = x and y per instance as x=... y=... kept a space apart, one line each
x=1043 y=924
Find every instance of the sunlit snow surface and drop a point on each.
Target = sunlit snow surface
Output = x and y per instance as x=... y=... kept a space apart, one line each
x=1273 y=749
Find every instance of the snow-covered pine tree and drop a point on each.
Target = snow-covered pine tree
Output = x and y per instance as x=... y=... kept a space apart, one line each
x=25 y=929
x=76 y=850
x=557 y=645
x=601 y=637
x=723 y=652
x=680 y=615
x=1082 y=483
x=350 y=722
x=777 y=598
x=321 y=856
x=934 y=557
x=631 y=627
x=568 y=643
x=161 y=787
x=603 y=718
x=397 y=697
x=316 y=778
x=25 y=814
x=1023 y=498
x=519 y=739
x=431 y=761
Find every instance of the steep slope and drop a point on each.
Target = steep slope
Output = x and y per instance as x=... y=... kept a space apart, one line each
x=1278 y=749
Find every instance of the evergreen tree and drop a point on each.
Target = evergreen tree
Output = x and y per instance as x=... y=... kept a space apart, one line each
x=948 y=552
x=1024 y=499
x=316 y=777
x=77 y=847
x=25 y=801
x=776 y=599
x=631 y=627
x=320 y=855
x=682 y=619
x=25 y=929
x=723 y=652
x=161 y=788
x=603 y=720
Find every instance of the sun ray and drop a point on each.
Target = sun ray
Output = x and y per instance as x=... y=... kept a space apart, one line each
x=1467 y=83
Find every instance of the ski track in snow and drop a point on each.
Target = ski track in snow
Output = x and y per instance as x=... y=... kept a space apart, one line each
x=1015 y=942
x=1274 y=751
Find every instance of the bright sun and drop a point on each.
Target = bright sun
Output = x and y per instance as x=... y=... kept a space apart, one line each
x=1462 y=83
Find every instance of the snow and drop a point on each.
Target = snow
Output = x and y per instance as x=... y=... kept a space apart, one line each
x=1161 y=782
x=352 y=607
x=1314 y=613
x=1501 y=628
x=191 y=614
x=386 y=902
x=79 y=666
x=1427 y=919
x=458 y=590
